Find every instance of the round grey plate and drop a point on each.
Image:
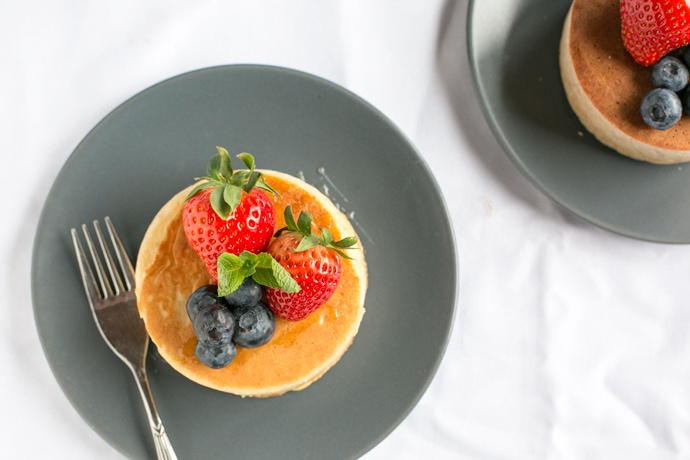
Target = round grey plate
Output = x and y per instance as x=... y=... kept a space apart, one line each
x=513 y=47
x=152 y=146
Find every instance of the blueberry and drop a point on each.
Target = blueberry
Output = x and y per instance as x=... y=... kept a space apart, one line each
x=214 y=325
x=254 y=325
x=215 y=357
x=670 y=73
x=202 y=297
x=661 y=108
x=249 y=293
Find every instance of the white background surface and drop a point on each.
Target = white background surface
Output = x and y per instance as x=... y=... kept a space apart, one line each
x=569 y=342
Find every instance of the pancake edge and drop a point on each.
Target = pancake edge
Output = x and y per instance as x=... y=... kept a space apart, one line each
x=596 y=123
x=153 y=236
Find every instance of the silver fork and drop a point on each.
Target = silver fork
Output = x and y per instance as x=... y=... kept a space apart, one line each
x=114 y=307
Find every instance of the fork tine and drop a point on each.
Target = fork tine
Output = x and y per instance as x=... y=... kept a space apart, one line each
x=87 y=277
x=106 y=290
x=109 y=262
x=121 y=253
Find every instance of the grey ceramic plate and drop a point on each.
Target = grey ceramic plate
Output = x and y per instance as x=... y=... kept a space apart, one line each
x=152 y=146
x=514 y=56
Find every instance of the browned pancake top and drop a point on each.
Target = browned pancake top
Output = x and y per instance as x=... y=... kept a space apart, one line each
x=614 y=82
x=171 y=271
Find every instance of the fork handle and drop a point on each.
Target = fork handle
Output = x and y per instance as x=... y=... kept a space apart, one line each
x=164 y=449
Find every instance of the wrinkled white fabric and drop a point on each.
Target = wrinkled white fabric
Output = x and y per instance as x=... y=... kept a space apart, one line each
x=569 y=342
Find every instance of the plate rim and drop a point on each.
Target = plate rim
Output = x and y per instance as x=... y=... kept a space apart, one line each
x=510 y=151
x=454 y=292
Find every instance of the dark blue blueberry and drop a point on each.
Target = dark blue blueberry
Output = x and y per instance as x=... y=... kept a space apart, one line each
x=202 y=297
x=215 y=357
x=214 y=325
x=254 y=325
x=670 y=73
x=249 y=293
x=661 y=108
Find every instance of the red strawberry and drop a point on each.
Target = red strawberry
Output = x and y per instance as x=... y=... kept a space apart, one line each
x=312 y=260
x=653 y=28
x=226 y=213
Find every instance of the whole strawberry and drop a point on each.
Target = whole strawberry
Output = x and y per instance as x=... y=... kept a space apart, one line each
x=228 y=211
x=653 y=28
x=313 y=261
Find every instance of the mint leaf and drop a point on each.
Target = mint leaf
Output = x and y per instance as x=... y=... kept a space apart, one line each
x=263 y=268
x=232 y=270
x=271 y=274
x=229 y=274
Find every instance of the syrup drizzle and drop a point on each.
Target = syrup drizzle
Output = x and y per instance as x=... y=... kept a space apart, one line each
x=326 y=191
x=322 y=172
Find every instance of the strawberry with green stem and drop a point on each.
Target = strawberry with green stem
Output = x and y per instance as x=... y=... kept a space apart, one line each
x=312 y=260
x=228 y=211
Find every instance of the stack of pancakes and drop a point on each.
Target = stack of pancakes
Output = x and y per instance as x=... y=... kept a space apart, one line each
x=168 y=271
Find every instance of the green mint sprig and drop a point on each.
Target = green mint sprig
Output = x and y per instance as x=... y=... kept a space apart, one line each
x=262 y=268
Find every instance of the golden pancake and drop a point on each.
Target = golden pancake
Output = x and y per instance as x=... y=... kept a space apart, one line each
x=605 y=86
x=168 y=271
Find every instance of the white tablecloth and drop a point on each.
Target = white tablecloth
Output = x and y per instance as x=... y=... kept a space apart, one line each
x=569 y=342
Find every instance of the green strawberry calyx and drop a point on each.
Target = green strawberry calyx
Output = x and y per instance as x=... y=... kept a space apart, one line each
x=227 y=184
x=262 y=268
x=303 y=227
